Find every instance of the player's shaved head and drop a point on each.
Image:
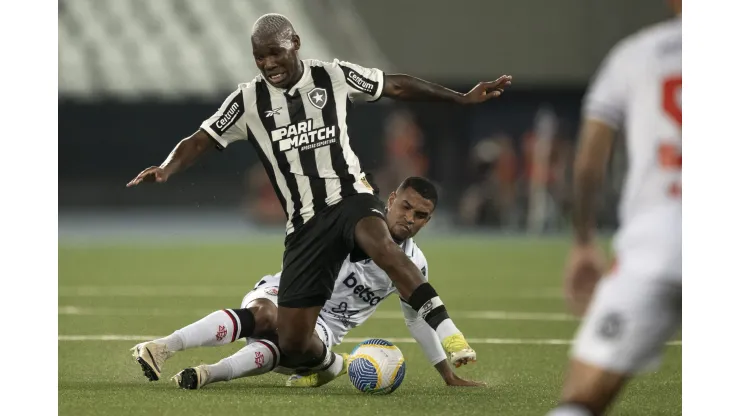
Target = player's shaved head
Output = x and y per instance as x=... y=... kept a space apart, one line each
x=275 y=48
x=273 y=26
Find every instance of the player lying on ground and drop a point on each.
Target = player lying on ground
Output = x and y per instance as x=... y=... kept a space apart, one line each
x=294 y=113
x=358 y=291
x=636 y=307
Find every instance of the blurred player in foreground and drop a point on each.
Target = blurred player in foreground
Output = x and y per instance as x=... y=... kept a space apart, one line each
x=294 y=113
x=636 y=307
x=359 y=289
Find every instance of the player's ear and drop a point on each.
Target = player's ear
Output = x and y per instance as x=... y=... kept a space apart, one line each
x=391 y=198
x=296 y=42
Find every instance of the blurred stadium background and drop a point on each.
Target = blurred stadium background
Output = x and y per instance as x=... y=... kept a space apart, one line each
x=136 y=76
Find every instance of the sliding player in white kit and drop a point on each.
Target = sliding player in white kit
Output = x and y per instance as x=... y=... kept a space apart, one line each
x=636 y=307
x=361 y=286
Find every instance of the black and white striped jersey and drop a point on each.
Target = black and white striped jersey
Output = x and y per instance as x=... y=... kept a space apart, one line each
x=300 y=134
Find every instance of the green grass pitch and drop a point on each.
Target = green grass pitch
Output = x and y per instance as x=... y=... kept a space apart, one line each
x=129 y=290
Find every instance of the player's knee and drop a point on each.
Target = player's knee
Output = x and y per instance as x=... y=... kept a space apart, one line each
x=265 y=320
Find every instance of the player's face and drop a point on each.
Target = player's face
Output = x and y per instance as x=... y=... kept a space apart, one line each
x=408 y=213
x=277 y=59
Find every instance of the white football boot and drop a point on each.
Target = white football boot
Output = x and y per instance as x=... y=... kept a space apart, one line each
x=192 y=378
x=151 y=356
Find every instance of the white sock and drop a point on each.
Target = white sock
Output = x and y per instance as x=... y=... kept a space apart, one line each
x=570 y=410
x=219 y=328
x=336 y=367
x=331 y=364
x=446 y=328
x=172 y=341
x=256 y=358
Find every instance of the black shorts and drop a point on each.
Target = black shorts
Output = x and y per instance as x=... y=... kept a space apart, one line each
x=315 y=252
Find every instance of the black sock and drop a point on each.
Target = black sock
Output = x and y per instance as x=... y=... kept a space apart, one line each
x=246 y=322
x=427 y=303
x=306 y=365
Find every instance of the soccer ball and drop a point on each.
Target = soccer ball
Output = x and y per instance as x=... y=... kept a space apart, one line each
x=376 y=366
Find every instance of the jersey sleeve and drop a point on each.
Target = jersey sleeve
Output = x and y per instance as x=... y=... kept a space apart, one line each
x=606 y=98
x=421 y=262
x=364 y=84
x=228 y=125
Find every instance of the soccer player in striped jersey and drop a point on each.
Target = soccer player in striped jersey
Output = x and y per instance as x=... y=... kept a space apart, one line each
x=357 y=293
x=295 y=116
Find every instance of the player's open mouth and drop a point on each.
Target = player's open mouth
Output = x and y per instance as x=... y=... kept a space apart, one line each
x=275 y=78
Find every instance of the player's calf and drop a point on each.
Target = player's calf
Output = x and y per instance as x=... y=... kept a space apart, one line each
x=588 y=390
x=219 y=328
x=295 y=332
x=300 y=349
x=265 y=319
x=259 y=357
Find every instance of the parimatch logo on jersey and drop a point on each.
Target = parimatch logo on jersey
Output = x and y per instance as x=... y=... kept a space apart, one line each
x=303 y=136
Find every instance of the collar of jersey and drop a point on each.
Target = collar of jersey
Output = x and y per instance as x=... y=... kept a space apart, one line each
x=305 y=78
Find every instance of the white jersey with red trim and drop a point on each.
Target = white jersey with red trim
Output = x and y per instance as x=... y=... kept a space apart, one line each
x=359 y=289
x=638 y=90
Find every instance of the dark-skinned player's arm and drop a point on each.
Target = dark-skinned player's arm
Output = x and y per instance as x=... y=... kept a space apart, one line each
x=182 y=157
x=603 y=116
x=586 y=263
x=225 y=126
x=369 y=84
x=589 y=170
x=407 y=88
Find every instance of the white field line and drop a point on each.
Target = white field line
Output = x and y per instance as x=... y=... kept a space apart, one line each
x=495 y=341
x=486 y=315
x=216 y=291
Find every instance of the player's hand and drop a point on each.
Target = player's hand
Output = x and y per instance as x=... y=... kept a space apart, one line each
x=484 y=91
x=453 y=380
x=152 y=174
x=585 y=267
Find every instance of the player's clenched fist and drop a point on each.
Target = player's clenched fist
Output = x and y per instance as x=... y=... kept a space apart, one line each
x=152 y=174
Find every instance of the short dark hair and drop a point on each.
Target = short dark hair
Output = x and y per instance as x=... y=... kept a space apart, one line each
x=423 y=186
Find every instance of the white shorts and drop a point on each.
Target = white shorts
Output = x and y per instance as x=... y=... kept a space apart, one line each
x=269 y=290
x=631 y=316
